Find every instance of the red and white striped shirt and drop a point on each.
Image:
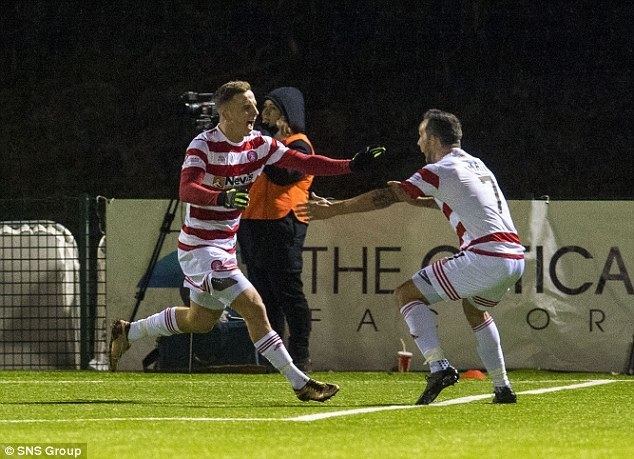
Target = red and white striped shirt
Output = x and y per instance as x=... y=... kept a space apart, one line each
x=213 y=163
x=468 y=194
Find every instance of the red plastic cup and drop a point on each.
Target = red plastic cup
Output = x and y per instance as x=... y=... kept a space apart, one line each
x=404 y=361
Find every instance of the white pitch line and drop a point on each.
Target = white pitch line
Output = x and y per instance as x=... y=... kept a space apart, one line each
x=453 y=401
x=594 y=382
x=319 y=416
x=473 y=398
x=334 y=414
x=458 y=401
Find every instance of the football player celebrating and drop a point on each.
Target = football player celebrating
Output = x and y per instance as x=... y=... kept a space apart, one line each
x=219 y=167
x=491 y=258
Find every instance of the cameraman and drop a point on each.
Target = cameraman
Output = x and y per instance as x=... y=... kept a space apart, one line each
x=271 y=235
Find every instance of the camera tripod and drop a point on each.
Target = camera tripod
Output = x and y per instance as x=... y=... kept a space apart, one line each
x=166 y=228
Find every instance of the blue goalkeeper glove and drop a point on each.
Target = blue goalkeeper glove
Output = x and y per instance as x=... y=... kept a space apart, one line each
x=362 y=161
x=234 y=199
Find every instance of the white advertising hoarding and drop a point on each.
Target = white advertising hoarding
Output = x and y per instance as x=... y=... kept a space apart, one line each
x=572 y=310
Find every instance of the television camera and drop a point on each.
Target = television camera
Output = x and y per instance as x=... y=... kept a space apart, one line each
x=201 y=108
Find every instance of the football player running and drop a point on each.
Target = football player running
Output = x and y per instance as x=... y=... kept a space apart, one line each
x=219 y=166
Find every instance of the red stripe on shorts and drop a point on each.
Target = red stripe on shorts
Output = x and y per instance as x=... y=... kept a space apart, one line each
x=512 y=256
x=496 y=237
x=484 y=300
x=443 y=280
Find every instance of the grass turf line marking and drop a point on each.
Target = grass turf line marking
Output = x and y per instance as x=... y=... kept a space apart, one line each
x=453 y=401
x=594 y=382
x=319 y=416
x=473 y=398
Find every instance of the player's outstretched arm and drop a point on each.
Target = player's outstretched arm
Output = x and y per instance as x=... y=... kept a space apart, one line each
x=319 y=208
x=363 y=161
x=372 y=200
x=426 y=201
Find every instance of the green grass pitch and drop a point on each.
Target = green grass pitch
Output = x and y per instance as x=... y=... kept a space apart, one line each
x=129 y=415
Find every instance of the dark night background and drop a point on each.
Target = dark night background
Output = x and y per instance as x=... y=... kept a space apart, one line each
x=89 y=95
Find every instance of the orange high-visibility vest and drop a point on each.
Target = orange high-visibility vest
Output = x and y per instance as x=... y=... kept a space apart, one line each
x=269 y=201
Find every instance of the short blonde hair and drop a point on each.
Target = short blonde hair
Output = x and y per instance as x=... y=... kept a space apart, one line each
x=226 y=92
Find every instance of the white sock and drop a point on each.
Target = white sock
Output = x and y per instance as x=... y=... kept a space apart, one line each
x=423 y=327
x=272 y=347
x=438 y=365
x=490 y=352
x=160 y=324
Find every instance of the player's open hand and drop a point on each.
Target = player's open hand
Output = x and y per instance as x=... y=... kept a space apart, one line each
x=317 y=208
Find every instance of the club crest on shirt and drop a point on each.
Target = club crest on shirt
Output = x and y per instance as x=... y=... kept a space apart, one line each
x=252 y=156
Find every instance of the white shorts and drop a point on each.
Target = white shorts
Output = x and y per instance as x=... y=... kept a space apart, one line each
x=481 y=279
x=212 y=276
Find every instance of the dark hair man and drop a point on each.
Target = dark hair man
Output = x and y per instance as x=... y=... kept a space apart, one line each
x=491 y=258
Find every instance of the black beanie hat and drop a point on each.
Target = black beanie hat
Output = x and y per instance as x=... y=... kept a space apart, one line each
x=290 y=101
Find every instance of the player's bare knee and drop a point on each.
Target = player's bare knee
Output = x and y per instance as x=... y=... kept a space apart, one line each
x=203 y=327
x=250 y=308
x=198 y=323
x=406 y=293
x=257 y=314
x=198 y=319
x=473 y=315
x=399 y=295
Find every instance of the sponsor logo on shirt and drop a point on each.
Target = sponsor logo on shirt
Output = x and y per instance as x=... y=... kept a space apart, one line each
x=238 y=180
